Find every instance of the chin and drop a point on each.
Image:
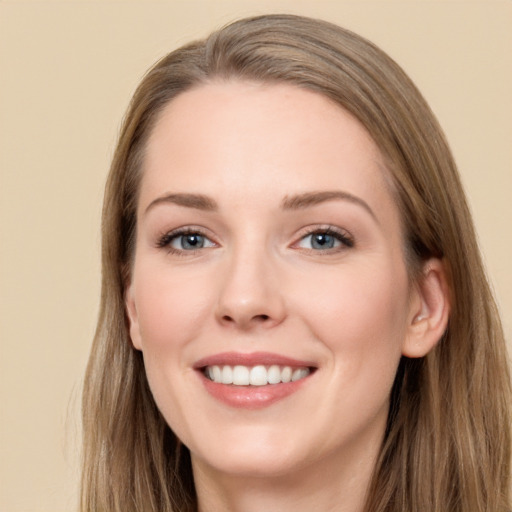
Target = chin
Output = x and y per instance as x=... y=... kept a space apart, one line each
x=256 y=457
x=257 y=466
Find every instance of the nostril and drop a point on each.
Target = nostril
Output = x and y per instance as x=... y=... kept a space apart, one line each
x=257 y=318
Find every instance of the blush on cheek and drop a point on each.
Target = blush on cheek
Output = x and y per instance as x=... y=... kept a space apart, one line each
x=362 y=315
x=169 y=313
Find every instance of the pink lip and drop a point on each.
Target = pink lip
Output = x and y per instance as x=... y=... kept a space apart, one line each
x=250 y=397
x=252 y=359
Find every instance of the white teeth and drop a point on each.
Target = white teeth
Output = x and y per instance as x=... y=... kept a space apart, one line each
x=256 y=375
x=217 y=374
x=227 y=375
x=274 y=374
x=240 y=376
x=299 y=373
x=286 y=374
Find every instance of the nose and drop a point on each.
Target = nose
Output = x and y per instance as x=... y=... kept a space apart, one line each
x=251 y=293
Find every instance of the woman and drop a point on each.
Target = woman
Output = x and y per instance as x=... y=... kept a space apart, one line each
x=294 y=310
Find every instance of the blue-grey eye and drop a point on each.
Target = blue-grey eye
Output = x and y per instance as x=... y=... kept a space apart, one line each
x=190 y=242
x=324 y=241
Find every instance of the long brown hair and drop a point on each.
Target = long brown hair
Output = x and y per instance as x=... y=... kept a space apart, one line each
x=447 y=444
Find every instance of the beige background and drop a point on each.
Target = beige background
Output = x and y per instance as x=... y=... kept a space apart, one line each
x=67 y=70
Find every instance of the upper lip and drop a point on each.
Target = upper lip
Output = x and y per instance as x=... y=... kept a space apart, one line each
x=251 y=359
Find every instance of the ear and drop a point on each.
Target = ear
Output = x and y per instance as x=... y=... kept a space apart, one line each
x=133 y=319
x=430 y=310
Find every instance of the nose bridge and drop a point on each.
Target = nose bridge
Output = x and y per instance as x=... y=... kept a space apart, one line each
x=250 y=293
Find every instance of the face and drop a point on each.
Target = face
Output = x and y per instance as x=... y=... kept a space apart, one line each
x=269 y=294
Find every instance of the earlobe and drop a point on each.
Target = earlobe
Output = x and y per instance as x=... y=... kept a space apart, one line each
x=430 y=310
x=133 y=319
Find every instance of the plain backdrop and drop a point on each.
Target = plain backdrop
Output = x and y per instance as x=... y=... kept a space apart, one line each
x=67 y=70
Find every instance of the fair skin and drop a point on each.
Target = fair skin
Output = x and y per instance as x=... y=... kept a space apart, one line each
x=291 y=255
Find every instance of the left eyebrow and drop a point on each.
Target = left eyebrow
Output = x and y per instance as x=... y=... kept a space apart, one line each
x=197 y=201
x=309 y=199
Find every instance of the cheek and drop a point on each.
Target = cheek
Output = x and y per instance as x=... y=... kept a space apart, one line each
x=360 y=313
x=170 y=307
x=360 y=317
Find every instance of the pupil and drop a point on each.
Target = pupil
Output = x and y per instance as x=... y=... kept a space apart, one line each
x=321 y=240
x=192 y=241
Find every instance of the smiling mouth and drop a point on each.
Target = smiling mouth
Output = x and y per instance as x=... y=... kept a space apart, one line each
x=253 y=381
x=258 y=375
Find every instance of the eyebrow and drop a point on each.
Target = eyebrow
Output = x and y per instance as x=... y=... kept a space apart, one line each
x=197 y=201
x=309 y=199
x=295 y=202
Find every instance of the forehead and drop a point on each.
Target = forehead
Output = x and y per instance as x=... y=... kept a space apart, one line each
x=230 y=138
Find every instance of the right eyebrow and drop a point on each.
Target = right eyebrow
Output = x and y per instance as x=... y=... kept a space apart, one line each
x=309 y=199
x=198 y=201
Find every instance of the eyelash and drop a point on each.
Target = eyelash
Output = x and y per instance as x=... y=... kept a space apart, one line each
x=346 y=240
x=165 y=240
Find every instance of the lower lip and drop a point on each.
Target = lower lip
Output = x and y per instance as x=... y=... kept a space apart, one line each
x=251 y=397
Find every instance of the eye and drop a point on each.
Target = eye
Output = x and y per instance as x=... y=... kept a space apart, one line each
x=180 y=241
x=325 y=240
x=189 y=242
